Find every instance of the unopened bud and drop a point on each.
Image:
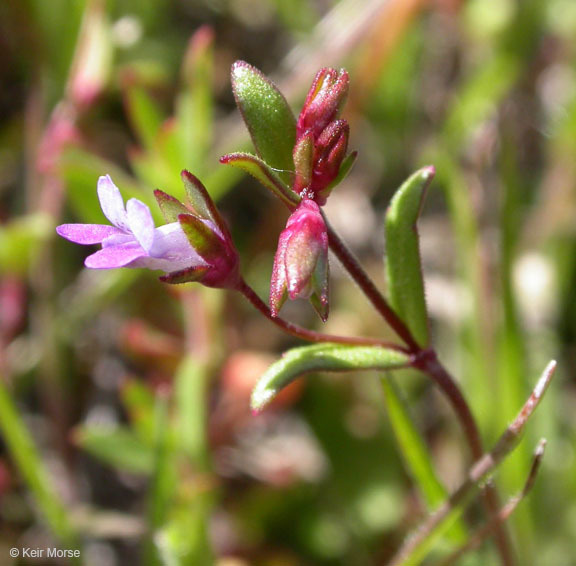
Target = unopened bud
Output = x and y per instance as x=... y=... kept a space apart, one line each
x=301 y=262
x=330 y=150
x=324 y=102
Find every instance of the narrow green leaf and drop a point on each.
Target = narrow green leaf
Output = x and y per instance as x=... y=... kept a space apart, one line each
x=415 y=454
x=268 y=117
x=30 y=465
x=324 y=357
x=403 y=269
x=118 y=447
x=263 y=173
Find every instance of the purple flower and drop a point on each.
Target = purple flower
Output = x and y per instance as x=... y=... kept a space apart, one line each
x=301 y=262
x=132 y=240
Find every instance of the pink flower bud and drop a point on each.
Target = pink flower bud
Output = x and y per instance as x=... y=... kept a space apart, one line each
x=301 y=262
x=329 y=152
x=324 y=102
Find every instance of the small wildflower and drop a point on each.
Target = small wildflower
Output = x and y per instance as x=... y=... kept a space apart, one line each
x=132 y=240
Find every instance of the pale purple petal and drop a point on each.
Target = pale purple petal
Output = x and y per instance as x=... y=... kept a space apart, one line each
x=171 y=243
x=87 y=233
x=110 y=258
x=141 y=223
x=112 y=202
x=120 y=239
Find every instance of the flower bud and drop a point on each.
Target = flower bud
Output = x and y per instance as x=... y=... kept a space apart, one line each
x=301 y=262
x=324 y=102
x=329 y=152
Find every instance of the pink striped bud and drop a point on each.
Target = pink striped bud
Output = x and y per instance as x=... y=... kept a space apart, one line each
x=301 y=262
x=324 y=102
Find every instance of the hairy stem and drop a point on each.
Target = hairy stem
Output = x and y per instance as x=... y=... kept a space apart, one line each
x=304 y=333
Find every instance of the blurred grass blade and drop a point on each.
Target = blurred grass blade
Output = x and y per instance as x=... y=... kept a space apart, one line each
x=31 y=468
x=191 y=387
x=164 y=480
x=194 y=107
x=117 y=447
x=268 y=117
x=321 y=357
x=403 y=267
x=21 y=240
x=417 y=546
x=415 y=454
x=144 y=114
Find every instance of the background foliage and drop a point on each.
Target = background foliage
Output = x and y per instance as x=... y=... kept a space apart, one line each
x=124 y=403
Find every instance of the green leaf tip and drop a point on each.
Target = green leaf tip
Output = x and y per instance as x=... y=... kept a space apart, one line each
x=267 y=116
x=322 y=357
x=263 y=173
x=403 y=267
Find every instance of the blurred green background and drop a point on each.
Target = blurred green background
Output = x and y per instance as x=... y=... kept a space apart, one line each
x=124 y=421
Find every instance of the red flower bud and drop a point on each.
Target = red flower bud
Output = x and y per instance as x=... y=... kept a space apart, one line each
x=324 y=102
x=301 y=263
x=329 y=152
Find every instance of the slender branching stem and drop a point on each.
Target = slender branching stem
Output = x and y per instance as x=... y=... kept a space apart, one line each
x=428 y=363
x=503 y=515
x=482 y=468
x=367 y=286
x=304 y=333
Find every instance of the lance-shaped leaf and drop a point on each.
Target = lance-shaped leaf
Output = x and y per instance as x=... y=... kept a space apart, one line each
x=263 y=173
x=322 y=357
x=268 y=117
x=403 y=268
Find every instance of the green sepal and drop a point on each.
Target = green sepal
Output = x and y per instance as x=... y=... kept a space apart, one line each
x=188 y=275
x=201 y=237
x=345 y=168
x=320 y=304
x=267 y=116
x=303 y=156
x=322 y=357
x=170 y=207
x=403 y=268
x=199 y=198
x=319 y=298
x=263 y=173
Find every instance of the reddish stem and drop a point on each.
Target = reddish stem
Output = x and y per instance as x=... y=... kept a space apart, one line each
x=304 y=333
x=367 y=286
x=428 y=363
